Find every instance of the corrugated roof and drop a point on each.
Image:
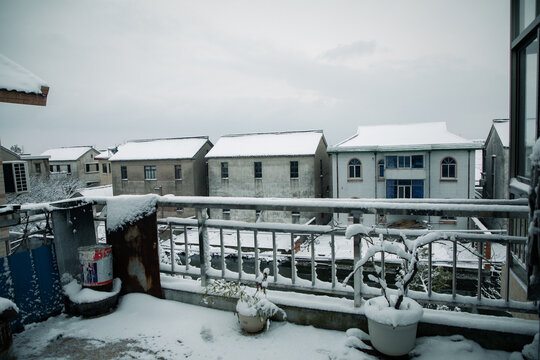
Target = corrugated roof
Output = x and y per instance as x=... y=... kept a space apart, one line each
x=159 y=149
x=267 y=144
x=66 y=153
x=404 y=137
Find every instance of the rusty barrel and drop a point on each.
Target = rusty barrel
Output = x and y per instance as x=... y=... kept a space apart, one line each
x=96 y=267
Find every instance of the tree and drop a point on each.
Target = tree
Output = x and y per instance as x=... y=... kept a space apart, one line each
x=43 y=189
x=17 y=149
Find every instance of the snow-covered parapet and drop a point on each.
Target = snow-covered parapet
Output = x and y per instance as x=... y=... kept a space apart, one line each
x=125 y=209
x=14 y=77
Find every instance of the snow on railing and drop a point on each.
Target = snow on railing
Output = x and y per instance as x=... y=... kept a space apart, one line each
x=315 y=249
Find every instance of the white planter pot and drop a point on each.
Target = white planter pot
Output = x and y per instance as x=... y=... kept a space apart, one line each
x=390 y=340
x=251 y=324
x=391 y=331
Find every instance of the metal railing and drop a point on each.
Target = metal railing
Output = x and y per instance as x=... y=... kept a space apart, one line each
x=192 y=239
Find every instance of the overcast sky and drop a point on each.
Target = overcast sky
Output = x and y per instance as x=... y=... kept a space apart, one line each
x=121 y=70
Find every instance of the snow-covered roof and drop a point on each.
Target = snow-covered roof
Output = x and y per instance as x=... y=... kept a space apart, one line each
x=503 y=130
x=267 y=144
x=14 y=77
x=104 y=154
x=418 y=136
x=160 y=149
x=67 y=153
x=105 y=190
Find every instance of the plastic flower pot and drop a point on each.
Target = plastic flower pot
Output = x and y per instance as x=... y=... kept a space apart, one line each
x=393 y=331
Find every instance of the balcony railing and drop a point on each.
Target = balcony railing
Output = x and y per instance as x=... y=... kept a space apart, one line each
x=190 y=237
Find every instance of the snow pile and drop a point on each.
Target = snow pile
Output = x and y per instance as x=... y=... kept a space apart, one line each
x=125 y=209
x=530 y=351
x=409 y=312
x=356 y=229
x=6 y=304
x=78 y=295
x=15 y=77
x=454 y=347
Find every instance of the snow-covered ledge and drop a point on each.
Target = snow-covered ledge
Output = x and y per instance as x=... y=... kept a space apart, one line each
x=492 y=332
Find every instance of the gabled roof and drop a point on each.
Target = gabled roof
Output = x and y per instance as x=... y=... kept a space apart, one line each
x=67 y=153
x=404 y=137
x=160 y=149
x=502 y=128
x=287 y=143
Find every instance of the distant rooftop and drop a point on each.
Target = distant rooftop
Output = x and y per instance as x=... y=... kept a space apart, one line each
x=285 y=143
x=66 y=153
x=418 y=136
x=160 y=149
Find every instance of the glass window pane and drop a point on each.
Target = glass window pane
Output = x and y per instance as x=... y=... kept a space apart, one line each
x=527 y=107
x=526 y=13
x=391 y=162
x=417 y=161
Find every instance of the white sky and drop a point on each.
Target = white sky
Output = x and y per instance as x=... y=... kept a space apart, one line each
x=121 y=70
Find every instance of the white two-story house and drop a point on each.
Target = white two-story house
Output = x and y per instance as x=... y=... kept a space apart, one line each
x=413 y=161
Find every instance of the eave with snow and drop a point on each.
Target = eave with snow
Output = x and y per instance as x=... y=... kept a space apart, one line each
x=20 y=86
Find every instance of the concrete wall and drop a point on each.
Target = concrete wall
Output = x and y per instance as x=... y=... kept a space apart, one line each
x=43 y=164
x=370 y=185
x=497 y=176
x=78 y=167
x=275 y=182
x=105 y=178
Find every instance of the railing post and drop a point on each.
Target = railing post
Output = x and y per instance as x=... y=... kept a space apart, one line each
x=203 y=244
x=357 y=246
x=172 y=247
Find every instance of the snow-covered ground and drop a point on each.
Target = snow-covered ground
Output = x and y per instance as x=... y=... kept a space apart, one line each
x=144 y=327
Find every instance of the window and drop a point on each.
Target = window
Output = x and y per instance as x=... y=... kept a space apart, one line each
x=177 y=172
x=19 y=172
x=391 y=162
x=109 y=168
x=257 y=168
x=123 y=172
x=180 y=210
x=448 y=220
x=68 y=168
x=257 y=214
x=38 y=168
x=51 y=168
x=417 y=161
x=381 y=169
x=404 y=189
x=57 y=168
x=226 y=214
x=295 y=217
x=91 y=168
x=405 y=161
x=448 y=168
x=149 y=172
x=104 y=168
x=493 y=163
x=294 y=169
x=224 y=170
x=355 y=169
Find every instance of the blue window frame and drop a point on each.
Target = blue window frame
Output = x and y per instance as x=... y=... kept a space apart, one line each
x=355 y=169
x=404 y=189
x=417 y=161
x=404 y=161
x=391 y=162
x=381 y=169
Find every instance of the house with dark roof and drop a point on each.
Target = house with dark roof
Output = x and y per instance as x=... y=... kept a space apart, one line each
x=405 y=161
x=289 y=164
x=162 y=166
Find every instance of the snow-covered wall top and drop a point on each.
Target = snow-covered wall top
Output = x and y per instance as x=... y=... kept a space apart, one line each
x=267 y=144
x=160 y=149
x=14 y=77
x=404 y=136
x=66 y=153
x=97 y=191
